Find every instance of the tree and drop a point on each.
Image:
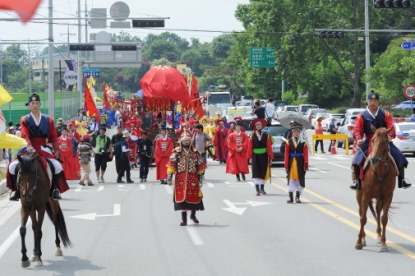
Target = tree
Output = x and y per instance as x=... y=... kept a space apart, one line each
x=17 y=53
x=163 y=49
x=124 y=37
x=221 y=45
x=193 y=59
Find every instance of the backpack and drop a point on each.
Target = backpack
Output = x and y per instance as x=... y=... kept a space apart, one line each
x=117 y=149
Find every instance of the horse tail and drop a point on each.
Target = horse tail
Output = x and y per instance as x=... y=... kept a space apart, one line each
x=372 y=209
x=59 y=224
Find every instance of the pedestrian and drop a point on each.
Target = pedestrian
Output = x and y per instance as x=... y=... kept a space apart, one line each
x=124 y=163
x=319 y=130
x=163 y=149
x=221 y=148
x=296 y=165
x=116 y=142
x=146 y=153
x=237 y=153
x=332 y=130
x=82 y=128
x=102 y=151
x=258 y=110
x=269 y=108
x=260 y=154
x=93 y=125
x=188 y=166
x=65 y=146
x=200 y=141
x=85 y=151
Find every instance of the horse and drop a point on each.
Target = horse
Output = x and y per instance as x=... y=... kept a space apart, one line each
x=379 y=182
x=35 y=199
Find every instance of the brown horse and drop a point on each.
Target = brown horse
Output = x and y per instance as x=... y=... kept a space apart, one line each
x=35 y=199
x=379 y=182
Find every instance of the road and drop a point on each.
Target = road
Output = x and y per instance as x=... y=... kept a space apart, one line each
x=133 y=230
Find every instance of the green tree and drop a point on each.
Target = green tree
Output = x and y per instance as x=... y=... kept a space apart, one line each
x=193 y=59
x=163 y=49
x=221 y=45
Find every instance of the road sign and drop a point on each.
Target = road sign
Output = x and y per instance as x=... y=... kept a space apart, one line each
x=408 y=45
x=409 y=91
x=262 y=57
x=91 y=72
x=70 y=77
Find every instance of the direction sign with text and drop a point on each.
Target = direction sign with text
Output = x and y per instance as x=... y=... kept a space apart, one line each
x=91 y=72
x=262 y=57
x=408 y=45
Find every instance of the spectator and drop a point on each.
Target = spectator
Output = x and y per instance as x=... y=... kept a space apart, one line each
x=85 y=154
x=199 y=141
x=117 y=138
x=319 y=130
x=269 y=108
x=146 y=152
x=332 y=130
x=124 y=163
x=103 y=151
x=258 y=110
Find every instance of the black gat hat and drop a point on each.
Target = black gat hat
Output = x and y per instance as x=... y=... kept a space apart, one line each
x=33 y=98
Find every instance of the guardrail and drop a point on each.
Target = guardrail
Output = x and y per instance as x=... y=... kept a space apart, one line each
x=336 y=137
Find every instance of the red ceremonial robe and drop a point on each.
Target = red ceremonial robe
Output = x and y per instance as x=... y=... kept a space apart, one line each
x=163 y=150
x=237 y=161
x=65 y=146
x=219 y=141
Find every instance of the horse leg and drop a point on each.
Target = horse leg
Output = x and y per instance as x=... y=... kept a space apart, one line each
x=41 y=216
x=363 y=206
x=378 y=217
x=385 y=218
x=25 y=216
x=33 y=258
x=55 y=209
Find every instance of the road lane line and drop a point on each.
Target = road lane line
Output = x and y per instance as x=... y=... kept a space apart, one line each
x=250 y=183
x=78 y=189
x=210 y=185
x=349 y=168
x=10 y=240
x=356 y=226
x=227 y=182
x=101 y=188
x=315 y=169
x=120 y=186
x=169 y=190
x=142 y=186
x=194 y=235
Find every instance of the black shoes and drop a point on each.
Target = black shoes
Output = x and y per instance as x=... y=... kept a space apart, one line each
x=356 y=185
x=15 y=196
x=56 y=195
x=243 y=177
x=238 y=178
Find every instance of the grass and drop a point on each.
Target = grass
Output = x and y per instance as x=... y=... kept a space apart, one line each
x=2 y=174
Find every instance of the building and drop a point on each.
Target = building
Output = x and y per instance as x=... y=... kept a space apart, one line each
x=40 y=66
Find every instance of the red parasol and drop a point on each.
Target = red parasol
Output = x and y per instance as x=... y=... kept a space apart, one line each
x=165 y=81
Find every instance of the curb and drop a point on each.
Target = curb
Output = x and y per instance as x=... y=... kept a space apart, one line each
x=3 y=187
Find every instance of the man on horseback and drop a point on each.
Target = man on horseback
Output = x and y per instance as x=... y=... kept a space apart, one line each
x=38 y=130
x=363 y=134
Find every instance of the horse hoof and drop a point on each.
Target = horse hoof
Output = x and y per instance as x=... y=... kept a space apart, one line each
x=25 y=264
x=33 y=258
x=364 y=243
x=378 y=241
x=358 y=246
x=384 y=249
x=58 y=252
x=39 y=263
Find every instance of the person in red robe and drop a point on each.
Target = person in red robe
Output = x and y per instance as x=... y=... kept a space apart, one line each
x=65 y=146
x=73 y=128
x=239 y=118
x=191 y=127
x=221 y=133
x=231 y=127
x=76 y=163
x=237 y=153
x=124 y=119
x=163 y=150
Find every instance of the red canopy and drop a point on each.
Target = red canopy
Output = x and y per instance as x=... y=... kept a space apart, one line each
x=165 y=81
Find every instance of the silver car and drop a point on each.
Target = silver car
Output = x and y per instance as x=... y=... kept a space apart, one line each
x=405 y=137
x=347 y=125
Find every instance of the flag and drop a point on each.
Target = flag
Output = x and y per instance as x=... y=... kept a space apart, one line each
x=194 y=96
x=90 y=106
x=4 y=96
x=25 y=9
x=106 y=103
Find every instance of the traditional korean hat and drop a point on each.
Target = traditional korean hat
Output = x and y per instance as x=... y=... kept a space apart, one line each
x=204 y=118
x=238 y=123
x=219 y=121
x=33 y=98
x=64 y=128
x=185 y=137
x=84 y=123
x=60 y=120
x=373 y=96
x=261 y=121
x=232 y=123
x=238 y=118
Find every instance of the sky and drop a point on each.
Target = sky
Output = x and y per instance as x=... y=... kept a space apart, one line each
x=212 y=15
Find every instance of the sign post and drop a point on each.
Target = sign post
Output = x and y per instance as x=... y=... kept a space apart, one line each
x=262 y=57
x=409 y=93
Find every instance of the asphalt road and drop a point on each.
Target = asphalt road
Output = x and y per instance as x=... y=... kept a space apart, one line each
x=134 y=230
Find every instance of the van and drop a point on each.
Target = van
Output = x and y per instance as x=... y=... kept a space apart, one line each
x=302 y=108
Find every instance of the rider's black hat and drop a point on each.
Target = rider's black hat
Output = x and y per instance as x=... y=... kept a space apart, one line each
x=33 y=98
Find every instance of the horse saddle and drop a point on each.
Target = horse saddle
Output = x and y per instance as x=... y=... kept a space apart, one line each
x=367 y=164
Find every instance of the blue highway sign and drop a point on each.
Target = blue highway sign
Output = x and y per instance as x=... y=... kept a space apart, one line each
x=408 y=45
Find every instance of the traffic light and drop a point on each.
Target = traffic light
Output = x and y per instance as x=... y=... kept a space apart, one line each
x=124 y=47
x=148 y=23
x=330 y=34
x=81 y=47
x=391 y=3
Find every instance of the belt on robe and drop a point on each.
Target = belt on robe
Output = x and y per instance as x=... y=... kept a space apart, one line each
x=260 y=151
x=296 y=154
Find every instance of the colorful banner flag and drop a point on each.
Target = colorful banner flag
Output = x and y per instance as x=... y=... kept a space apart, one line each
x=25 y=9
x=90 y=106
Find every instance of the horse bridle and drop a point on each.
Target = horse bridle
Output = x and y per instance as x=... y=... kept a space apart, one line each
x=385 y=163
x=34 y=189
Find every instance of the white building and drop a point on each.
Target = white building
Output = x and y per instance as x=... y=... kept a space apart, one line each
x=40 y=65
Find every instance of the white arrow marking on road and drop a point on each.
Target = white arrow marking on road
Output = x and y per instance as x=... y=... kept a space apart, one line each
x=210 y=185
x=194 y=235
x=142 y=186
x=101 y=188
x=120 y=186
x=257 y=203
x=314 y=169
x=250 y=183
x=232 y=208
x=92 y=216
x=78 y=189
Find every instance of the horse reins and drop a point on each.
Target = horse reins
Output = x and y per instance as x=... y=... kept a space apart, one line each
x=34 y=189
x=380 y=179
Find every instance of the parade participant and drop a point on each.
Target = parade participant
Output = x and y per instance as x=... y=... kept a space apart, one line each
x=124 y=119
x=260 y=154
x=117 y=138
x=136 y=130
x=226 y=124
x=239 y=118
x=132 y=144
x=163 y=149
x=38 y=130
x=363 y=133
x=76 y=164
x=211 y=131
x=332 y=130
x=231 y=127
x=188 y=166
x=85 y=151
x=157 y=124
x=65 y=146
x=237 y=153
x=73 y=127
x=104 y=118
x=295 y=164
x=102 y=151
x=146 y=152
x=59 y=126
x=191 y=127
x=117 y=117
x=319 y=130
x=124 y=163
x=219 y=140
x=200 y=140
x=93 y=126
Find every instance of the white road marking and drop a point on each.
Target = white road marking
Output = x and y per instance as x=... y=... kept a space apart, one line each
x=169 y=189
x=239 y=186
x=341 y=157
x=250 y=183
x=194 y=235
x=78 y=189
x=314 y=169
x=92 y=216
x=101 y=188
x=142 y=186
x=9 y=208
x=210 y=185
x=120 y=186
x=10 y=239
x=317 y=158
x=339 y=166
x=227 y=182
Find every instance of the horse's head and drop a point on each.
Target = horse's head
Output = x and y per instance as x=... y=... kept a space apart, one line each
x=380 y=145
x=28 y=175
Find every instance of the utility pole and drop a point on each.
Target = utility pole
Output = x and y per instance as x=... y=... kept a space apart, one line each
x=68 y=34
x=367 y=46
x=79 y=63
x=51 y=90
x=30 y=68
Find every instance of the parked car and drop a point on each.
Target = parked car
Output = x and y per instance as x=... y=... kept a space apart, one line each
x=326 y=122
x=277 y=131
x=302 y=108
x=312 y=113
x=405 y=137
x=347 y=125
x=283 y=111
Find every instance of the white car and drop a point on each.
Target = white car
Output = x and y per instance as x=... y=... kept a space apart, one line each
x=405 y=137
x=283 y=111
